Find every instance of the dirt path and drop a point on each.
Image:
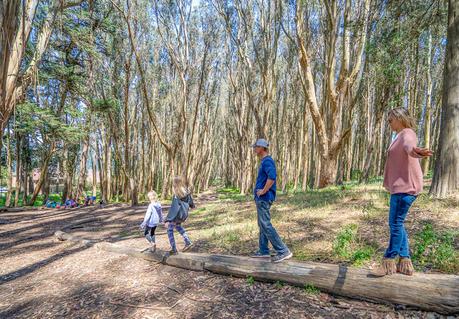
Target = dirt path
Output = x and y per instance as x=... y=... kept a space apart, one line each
x=43 y=278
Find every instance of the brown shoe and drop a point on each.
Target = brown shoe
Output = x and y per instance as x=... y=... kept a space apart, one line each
x=405 y=266
x=387 y=267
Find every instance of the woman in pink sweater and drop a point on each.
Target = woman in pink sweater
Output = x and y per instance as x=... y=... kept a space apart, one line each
x=403 y=179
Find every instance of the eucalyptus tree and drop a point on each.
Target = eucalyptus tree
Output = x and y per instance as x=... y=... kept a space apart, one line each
x=446 y=174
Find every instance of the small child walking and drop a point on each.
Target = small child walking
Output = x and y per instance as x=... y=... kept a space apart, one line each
x=153 y=217
x=182 y=201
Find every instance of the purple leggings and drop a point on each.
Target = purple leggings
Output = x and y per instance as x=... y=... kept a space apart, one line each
x=181 y=230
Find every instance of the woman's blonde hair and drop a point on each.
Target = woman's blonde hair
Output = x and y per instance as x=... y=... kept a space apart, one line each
x=403 y=116
x=179 y=187
x=152 y=196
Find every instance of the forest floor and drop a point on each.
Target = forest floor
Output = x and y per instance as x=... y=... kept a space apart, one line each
x=43 y=278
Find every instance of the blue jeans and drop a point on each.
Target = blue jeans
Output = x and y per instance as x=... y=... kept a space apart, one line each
x=267 y=231
x=398 y=243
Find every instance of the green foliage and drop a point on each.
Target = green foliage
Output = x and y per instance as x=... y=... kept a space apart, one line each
x=250 y=280
x=311 y=289
x=367 y=209
x=229 y=190
x=342 y=245
x=347 y=246
x=356 y=174
x=435 y=249
x=105 y=105
x=279 y=284
x=362 y=255
x=232 y=193
x=38 y=202
x=43 y=121
x=232 y=237
x=199 y=210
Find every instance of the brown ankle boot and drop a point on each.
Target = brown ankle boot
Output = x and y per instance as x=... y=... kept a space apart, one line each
x=387 y=267
x=405 y=266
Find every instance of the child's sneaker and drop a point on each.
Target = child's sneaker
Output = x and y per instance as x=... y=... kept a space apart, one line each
x=172 y=252
x=187 y=247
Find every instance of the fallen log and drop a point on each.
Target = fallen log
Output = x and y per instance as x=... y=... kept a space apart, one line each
x=65 y=236
x=432 y=292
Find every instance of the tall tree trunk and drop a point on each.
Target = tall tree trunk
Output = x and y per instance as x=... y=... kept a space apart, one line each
x=446 y=175
x=83 y=169
x=426 y=161
x=26 y=168
x=9 y=163
x=43 y=173
x=94 y=175
x=17 y=188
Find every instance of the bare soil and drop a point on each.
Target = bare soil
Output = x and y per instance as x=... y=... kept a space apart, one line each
x=41 y=277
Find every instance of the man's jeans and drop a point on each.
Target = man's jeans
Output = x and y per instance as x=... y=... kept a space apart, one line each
x=267 y=230
x=398 y=243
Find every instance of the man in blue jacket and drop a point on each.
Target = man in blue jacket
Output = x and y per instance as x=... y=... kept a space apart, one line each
x=265 y=195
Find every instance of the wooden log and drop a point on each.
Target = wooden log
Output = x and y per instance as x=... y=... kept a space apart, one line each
x=65 y=236
x=432 y=292
x=105 y=246
x=435 y=292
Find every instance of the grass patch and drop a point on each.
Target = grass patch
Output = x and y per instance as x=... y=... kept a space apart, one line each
x=229 y=190
x=348 y=246
x=127 y=233
x=250 y=280
x=336 y=224
x=232 y=193
x=369 y=209
x=198 y=210
x=435 y=249
x=38 y=201
x=279 y=284
x=311 y=289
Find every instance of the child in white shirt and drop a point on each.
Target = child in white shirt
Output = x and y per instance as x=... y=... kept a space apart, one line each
x=153 y=217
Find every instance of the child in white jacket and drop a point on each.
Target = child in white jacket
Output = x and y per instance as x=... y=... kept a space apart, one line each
x=153 y=217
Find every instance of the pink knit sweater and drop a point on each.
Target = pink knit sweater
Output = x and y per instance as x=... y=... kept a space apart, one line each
x=403 y=173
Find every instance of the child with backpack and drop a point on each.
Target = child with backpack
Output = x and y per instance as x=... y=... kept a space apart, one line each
x=182 y=201
x=152 y=218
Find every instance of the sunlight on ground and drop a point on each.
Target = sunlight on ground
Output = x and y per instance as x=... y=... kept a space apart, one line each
x=338 y=224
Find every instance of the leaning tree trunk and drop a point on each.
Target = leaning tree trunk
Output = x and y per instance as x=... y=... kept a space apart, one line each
x=446 y=175
x=43 y=173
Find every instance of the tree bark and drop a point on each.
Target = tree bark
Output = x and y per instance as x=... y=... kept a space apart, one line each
x=9 y=163
x=43 y=173
x=427 y=116
x=17 y=188
x=446 y=175
x=83 y=168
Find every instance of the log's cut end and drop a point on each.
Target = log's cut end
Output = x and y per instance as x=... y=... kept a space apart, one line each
x=65 y=236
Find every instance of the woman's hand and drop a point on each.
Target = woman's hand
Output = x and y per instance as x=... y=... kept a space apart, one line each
x=424 y=152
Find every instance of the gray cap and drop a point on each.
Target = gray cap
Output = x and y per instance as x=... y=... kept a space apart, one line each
x=261 y=142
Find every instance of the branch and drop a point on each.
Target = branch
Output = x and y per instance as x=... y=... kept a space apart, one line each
x=152 y=117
